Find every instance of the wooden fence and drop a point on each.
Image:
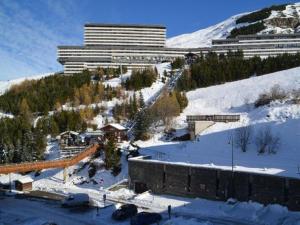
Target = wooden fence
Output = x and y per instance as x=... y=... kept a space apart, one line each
x=35 y=166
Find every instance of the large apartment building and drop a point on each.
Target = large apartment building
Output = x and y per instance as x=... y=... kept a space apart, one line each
x=137 y=46
x=259 y=45
x=114 y=45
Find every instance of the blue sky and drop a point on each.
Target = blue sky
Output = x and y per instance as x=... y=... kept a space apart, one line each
x=30 y=30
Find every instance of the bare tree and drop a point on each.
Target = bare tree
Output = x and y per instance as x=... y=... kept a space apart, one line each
x=276 y=93
x=266 y=141
x=242 y=137
x=296 y=96
x=166 y=108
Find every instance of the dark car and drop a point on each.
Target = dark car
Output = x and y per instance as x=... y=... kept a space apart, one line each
x=124 y=212
x=76 y=200
x=145 y=218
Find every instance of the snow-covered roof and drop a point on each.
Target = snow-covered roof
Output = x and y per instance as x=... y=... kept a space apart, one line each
x=94 y=132
x=115 y=125
x=24 y=180
x=71 y=132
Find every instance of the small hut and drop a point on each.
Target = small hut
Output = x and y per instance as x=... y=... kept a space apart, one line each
x=24 y=184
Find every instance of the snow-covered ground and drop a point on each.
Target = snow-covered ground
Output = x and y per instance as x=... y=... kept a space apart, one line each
x=201 y=211
x=117 y=81
x=211 y=148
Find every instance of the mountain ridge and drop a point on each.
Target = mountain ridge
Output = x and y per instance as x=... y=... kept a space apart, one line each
x=274 y=20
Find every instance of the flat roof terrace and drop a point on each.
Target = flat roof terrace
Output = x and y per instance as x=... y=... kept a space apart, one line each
x=125 y=25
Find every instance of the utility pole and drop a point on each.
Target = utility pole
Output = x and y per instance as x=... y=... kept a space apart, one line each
x=232 y=154
x=121 y=71
x=65 y=174
x=10 y=186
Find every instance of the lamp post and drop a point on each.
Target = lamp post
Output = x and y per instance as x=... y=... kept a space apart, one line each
x=232 y=172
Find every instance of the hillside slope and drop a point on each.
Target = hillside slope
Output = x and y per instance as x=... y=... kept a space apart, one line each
x=203 y=37
x=212 y=149
x=279 y=21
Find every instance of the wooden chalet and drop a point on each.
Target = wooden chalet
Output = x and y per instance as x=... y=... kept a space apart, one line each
x=116 y=131
x=71 y=144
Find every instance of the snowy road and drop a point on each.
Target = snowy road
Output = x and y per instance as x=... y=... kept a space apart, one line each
x=14 y=211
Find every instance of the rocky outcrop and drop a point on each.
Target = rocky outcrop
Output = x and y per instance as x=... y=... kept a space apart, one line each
x=283 y=22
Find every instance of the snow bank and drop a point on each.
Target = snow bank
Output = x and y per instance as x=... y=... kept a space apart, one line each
x=115 y=82
x=202 y=211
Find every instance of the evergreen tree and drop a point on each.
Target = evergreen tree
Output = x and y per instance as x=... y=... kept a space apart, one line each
x=134 y=104
x=142 y=125
x=165 y=73
x=112 y=158
x=141 y=101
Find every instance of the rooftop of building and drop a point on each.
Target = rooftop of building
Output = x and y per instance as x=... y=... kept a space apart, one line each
x=125 y=25
x=267 y=36
x=257 y=37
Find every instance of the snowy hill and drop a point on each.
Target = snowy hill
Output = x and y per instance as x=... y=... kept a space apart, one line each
x=203 y=37
x=279 y=21
x=212 y=149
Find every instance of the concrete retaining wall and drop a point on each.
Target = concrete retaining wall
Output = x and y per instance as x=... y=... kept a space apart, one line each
x=215 y=184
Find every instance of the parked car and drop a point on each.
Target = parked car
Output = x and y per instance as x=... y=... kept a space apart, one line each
x=34 y=221
x=76 y=200
x=124 y=212
x=145 y=218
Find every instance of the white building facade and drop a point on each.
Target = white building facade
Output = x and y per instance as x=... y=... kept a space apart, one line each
x=259 y=45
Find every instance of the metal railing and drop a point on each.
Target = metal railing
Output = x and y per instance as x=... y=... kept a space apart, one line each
x=215 y=118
